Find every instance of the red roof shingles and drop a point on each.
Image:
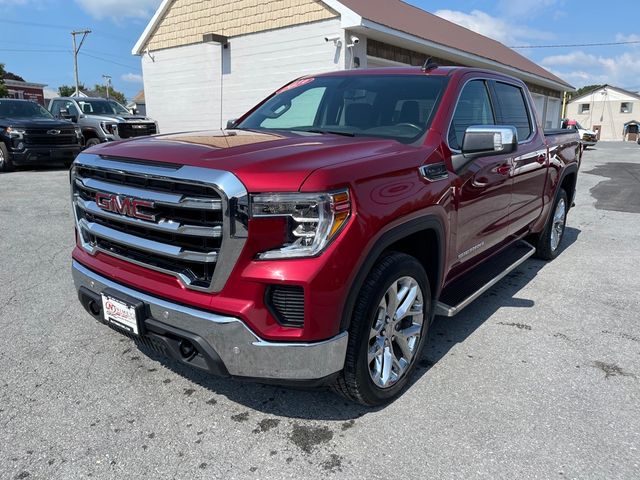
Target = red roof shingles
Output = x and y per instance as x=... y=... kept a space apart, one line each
x=415 y=21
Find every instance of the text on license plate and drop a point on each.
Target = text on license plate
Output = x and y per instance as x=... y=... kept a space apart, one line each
x=120 y=314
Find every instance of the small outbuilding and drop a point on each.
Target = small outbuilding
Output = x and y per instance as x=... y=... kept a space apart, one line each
x=26 y=90
x=207 y=61
x=609 y=111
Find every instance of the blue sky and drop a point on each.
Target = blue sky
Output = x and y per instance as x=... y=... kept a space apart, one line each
x=35 y=41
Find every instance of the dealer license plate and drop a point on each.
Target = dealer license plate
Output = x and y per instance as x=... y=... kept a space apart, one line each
x=120 y=314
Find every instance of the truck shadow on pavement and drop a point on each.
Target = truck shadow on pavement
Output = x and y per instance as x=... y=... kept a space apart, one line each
x=321 y=404
x=54 y=167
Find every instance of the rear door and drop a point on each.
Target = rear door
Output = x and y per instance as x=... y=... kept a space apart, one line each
x=530 y=163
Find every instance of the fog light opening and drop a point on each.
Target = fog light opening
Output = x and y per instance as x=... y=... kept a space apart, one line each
x=94 y=308
x=187 y=350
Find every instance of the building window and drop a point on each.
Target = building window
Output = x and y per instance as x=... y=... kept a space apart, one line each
x=584 y=108
x=626 y=107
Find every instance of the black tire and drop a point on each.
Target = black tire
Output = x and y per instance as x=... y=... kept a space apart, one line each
x=546 y=247
x=92 y=142
x=356 y=380
x=5 y=161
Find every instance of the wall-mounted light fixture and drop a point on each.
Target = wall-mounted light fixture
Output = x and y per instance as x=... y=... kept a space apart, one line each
x=215 y=38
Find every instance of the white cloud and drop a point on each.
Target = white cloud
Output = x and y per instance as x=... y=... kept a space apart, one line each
x=499 y=29
x=634 y=37
x=581 y=68
x=525 y=8
x=131 y=77
x=118 y=9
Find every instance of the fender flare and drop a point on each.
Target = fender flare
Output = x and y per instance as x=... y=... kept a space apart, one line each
x=92 y=131
x=428 y=222
x=569 y=169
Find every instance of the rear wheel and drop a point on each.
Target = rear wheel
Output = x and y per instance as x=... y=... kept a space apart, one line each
x=388 y=329
x=5 y=162
x=548 y=245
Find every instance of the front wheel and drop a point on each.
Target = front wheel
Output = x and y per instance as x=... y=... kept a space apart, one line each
x=5 y=162
x=91 y=143
x=548 y=244
x=388 y=329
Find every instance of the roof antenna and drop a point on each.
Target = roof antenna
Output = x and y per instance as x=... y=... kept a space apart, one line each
x=429 y=65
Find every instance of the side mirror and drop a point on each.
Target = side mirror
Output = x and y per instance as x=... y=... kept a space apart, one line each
x=231 y=123
x=64 y=113
x=485 y=140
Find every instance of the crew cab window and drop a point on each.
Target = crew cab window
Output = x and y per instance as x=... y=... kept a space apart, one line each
x=512 y=109
x=473 y=108
x=299 y=112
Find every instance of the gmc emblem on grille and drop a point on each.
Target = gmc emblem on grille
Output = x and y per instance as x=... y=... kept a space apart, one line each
x=53 y=132
x=125 y=206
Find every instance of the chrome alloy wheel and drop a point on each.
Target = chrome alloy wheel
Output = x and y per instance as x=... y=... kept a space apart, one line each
x=557 y=228
x=395 y=334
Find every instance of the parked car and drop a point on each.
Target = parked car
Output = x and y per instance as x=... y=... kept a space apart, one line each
x=29 y=134
x=314 y=242
x=102 y=120
x=588 y=137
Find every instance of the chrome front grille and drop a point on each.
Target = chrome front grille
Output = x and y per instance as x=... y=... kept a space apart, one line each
x=186 y=221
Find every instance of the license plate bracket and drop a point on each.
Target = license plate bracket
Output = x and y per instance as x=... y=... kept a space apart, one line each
x=123 y=312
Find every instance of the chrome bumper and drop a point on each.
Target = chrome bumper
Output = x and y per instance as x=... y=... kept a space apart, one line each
x=243 y=353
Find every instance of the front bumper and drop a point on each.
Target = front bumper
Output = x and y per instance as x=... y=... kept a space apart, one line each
x=40 y=154
x=225 y=345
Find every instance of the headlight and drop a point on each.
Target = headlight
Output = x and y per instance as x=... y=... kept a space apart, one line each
x=78 y=132
x=110 y=128
x=16 y=132
x=315 y=220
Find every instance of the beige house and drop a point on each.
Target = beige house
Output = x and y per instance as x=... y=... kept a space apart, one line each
x=207 y=61
x=609 y=111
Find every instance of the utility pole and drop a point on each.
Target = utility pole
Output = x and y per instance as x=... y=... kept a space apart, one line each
x=76 y=50
x=107 y=81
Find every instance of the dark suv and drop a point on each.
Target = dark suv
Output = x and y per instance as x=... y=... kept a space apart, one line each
x=30 y=134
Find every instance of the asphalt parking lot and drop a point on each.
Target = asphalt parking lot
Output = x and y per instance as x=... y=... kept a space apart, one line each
x=540 y=378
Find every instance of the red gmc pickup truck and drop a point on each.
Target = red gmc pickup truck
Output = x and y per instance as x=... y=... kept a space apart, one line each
x=313 y=241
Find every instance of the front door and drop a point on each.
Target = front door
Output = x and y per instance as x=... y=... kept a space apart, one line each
x=483 y=188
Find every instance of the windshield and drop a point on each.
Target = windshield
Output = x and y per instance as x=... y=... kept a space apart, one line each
x=22 y=109
x=102 y=107
x=399 y=107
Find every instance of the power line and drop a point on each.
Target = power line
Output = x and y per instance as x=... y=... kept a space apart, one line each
x=30 y=44
x=109 y=61
x=66 y=27
x=604 y=44
x=33 y=50
x=96 y=57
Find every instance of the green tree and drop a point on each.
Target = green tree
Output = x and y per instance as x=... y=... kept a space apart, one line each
x=3 y=89
x=68 y=90
x=13 y=76
x=114 y=94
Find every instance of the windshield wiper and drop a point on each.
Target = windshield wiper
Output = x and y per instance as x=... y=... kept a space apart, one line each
x=331 y=132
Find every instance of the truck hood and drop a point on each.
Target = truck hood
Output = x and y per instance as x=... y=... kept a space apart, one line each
x=34 y=123
x=103 y=117
x=264 y=162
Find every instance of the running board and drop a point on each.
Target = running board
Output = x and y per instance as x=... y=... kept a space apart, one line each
x=465 y=290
